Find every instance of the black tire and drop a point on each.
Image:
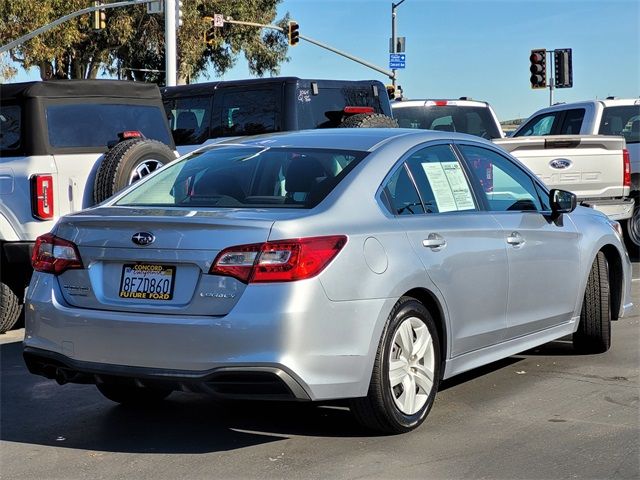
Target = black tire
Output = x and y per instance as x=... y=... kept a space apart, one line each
x=594 y=330
x=118 y=168
x=10 y=308
x=369 y=120
x=129 y=394
x=631 y=228
x=378 y=410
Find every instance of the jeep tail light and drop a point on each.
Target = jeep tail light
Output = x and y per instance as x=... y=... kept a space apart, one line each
x=279 y=261
x=626 y=161
x=354 y=110
x=42 y=197
x=55 y=255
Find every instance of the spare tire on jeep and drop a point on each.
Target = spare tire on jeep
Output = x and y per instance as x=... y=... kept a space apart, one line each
x=127 y=162
x=369 y=120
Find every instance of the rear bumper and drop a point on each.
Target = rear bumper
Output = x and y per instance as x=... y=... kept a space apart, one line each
x=326 y=347
x=615 y=208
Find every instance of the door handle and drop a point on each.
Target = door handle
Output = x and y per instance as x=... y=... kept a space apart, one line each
x=434 y=241
x=515 y=239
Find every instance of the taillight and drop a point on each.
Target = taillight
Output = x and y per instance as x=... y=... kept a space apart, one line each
x=279 y=261
x=626 y=161
x=55 y=255
x=354 y=110
x=127 y=134
x=42 y=196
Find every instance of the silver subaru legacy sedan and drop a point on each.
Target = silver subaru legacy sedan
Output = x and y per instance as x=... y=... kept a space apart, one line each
x=360 y=264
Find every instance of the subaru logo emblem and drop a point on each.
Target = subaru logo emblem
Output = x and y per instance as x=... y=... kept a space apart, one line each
x=143 y=238
x=560 y=163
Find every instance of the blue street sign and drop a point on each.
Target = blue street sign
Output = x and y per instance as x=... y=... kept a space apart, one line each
x=397 y=60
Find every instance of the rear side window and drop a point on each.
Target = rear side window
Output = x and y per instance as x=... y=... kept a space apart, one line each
x=572 y=122
x=97 y=125
x=189 y=119
x=247 y=112
x=476 y=121
x=402 y=195
x=243 y=176
x=622 y=120
x=441 y=180
x=9 y=128
x=326 y=109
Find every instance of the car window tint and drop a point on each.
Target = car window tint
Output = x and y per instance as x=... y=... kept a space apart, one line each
x=189 y=119
x=247 y=112
x=98 y=125
x=572 y=122
x=326 y=110
x=505 y=185
x=9 y=127
x=255 y=177
x=441 y=180
x=540 y=125
x=622 y=120
x=472 y=120
x=402 y=194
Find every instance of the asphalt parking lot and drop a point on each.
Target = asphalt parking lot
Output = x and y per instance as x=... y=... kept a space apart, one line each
x=547 y=413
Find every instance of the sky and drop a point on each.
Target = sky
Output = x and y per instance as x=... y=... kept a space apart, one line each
x=474 y=48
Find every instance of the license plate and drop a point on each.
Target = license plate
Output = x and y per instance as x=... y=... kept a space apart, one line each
x=147 y=282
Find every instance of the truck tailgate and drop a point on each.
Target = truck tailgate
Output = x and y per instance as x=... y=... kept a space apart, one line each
x=591 y=166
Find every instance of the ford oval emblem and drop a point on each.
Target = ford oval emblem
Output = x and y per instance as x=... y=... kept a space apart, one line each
x=560 y=163
x=143 y=238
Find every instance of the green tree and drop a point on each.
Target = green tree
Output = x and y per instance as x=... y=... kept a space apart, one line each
x=133 y=41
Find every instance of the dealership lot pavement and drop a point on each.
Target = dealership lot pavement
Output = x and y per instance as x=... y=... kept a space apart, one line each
x=544 y=414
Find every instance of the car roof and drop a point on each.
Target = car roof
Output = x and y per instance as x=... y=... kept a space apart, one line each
x=610 y=102
x=361 y=139
x=79 y=88
x=459 y=102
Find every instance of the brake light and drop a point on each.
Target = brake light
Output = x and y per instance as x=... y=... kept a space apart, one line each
x=626 y=161
x=42 y=197
x=438 y=103
x=354 y=110
x=55 y=255
x=279 y=261
x=127 y=134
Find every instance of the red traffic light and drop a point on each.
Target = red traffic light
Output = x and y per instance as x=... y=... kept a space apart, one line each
x=538 y=68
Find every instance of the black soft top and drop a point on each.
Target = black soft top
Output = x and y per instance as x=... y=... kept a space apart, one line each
x=78 y=88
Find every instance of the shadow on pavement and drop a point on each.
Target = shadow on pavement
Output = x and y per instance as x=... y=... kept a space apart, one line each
x=36 y=410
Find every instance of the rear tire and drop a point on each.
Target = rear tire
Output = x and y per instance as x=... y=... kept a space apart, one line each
x=132 y=394
x=369 y=120
x=126 y=163
x=406 y=372
x=594 y=330
x=631 y=228
x=10 y=308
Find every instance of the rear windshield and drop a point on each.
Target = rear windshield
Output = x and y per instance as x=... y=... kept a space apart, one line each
x=326 y=109
x=472 y=120
x=97 y=125
x=240 y=176
x=623 y=120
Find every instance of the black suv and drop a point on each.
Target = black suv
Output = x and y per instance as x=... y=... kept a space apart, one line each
x=202 y=111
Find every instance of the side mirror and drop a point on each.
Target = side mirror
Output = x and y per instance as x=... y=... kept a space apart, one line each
x=562 y=201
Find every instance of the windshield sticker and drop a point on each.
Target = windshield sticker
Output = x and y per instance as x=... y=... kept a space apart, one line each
x=449 y=186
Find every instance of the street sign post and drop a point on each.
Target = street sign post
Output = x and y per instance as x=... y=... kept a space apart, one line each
x=397 y=60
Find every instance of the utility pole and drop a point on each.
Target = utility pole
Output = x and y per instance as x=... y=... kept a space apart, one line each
x=394 y=40
x=170 y=49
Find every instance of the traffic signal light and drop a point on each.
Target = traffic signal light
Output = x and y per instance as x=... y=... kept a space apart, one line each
x=391 y=92
x=538 y=68
x=99 y=17
x=294 y=34
x=563 y=68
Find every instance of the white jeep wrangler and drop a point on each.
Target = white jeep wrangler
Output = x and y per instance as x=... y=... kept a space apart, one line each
x=64 y=146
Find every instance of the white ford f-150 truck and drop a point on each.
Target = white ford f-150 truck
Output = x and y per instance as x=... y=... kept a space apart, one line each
x=64 y=146
x=612 y=116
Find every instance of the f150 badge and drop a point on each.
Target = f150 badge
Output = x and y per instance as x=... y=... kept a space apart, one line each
x=560 y=163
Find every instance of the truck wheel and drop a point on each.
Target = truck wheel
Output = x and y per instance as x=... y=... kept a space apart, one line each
x=369 y=120
x=128 y=162
x=594 y=330
x=632 y=231
x=405 y=374
x=9 y=308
